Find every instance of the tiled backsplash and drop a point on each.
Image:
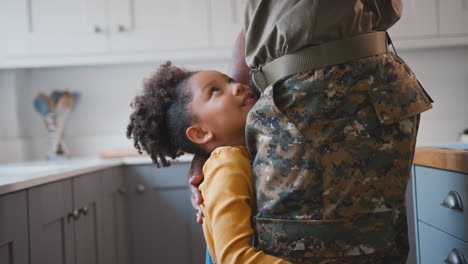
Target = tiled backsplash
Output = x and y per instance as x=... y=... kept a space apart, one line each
x=100 y=119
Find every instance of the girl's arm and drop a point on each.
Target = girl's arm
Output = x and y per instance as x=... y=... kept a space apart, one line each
x=228 y=199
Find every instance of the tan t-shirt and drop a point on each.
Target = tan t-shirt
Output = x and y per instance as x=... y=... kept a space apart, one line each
x=277 y=27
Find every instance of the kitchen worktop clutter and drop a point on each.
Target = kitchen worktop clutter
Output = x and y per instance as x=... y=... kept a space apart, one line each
x=55 y=110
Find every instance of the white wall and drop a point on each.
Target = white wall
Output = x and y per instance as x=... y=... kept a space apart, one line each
x=444 y=74
x=11 y=143
x=100 y=119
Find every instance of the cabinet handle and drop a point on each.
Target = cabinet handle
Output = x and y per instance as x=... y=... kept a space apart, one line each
x=121 y=28
x=97 y=29
x=453 y=201
x=122 y=190
x=140 y=188
x=73 y=215
x=455 y=257
x=84 y=210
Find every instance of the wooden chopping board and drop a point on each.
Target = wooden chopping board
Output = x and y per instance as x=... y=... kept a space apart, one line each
x=454 y=159
x=121 y=153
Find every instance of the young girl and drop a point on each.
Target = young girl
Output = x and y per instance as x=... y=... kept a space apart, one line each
x=204 y=113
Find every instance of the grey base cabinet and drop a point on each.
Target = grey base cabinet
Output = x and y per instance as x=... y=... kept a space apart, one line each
x=123 y=215
x=162 y=224
x=75 y=221
x=114 y=217
x=14 y=229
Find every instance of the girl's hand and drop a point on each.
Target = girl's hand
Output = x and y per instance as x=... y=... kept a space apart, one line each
x=195 y=178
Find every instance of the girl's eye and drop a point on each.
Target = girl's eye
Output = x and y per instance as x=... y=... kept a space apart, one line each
x=231 y=80
x=214 y=90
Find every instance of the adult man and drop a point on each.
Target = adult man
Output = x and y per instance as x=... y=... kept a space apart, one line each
x=334 y=131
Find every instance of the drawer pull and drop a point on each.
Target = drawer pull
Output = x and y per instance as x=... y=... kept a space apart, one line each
x=453 y=201
x=455 y=257
x=140 y=188
x=73 y=215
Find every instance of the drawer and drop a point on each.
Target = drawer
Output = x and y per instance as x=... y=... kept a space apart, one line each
x=435 y=245
x=432 y=187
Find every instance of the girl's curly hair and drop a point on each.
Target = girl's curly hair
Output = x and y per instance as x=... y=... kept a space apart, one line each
x=161 y=116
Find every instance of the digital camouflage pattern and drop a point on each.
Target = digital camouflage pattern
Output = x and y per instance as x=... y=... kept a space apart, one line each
x=332 y=153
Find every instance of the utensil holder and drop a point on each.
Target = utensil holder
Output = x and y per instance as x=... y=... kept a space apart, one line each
x=56 y=148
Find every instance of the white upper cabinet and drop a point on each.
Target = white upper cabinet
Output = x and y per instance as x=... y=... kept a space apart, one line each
x=87 y=27
x=61 y=26
x=38 y=33
x=14 y=27
x=453 y=17
x=68 y=26
x=158 y=25
x=227 y=20
x=419 y=20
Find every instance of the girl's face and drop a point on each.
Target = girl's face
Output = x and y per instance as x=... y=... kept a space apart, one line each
x=221 y=105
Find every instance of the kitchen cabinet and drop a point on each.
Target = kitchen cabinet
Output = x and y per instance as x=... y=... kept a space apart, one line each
x=65 y=221
x=55 y=27
x=441 y=215
x=51 y=223
x=431 y=23
x=114 y=247
x=14 y=228
x=418 y=20
x=453 y=17
x=78 y=221
x=87 y=27
x=162 y=226
x=156 y=25
x=227 y=21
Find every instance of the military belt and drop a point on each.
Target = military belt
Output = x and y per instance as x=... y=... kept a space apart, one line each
x=320 y=56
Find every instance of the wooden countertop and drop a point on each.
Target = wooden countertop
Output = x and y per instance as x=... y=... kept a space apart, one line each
x=452 y=157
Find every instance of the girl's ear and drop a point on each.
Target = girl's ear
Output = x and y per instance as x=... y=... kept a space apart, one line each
x=198 y=135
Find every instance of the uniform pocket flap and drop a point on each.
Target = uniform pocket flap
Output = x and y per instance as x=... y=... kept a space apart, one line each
x=399 y=100
x=313 y=240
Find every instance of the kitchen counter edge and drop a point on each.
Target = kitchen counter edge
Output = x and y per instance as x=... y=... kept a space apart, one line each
x=14 y=183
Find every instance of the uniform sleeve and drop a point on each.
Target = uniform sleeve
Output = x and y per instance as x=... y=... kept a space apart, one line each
x=227 y=202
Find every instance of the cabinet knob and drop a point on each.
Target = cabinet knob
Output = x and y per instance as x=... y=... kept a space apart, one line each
x=121 y=28
x=453 y=201
x=97 y=29
x=73 y=215
x=84 y=210
x=455 y=257
x=122 y=190
x=140 y=188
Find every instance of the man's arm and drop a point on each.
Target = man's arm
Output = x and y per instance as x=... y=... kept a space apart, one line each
x=239 y=69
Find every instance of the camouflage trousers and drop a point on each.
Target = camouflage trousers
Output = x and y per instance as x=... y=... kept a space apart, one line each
x=332 y=151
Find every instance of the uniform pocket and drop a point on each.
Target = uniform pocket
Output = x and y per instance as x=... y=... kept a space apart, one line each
x=312 y=240
x=399 y=100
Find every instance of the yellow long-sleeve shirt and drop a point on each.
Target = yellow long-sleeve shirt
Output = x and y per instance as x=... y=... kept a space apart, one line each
x=228 y=203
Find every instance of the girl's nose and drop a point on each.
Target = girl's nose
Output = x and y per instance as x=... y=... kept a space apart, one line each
x=237 y=89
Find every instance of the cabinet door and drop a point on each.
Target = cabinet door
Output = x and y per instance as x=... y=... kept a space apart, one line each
x=419 y=20
x=162 y=228
x=453 y=17
x=226 y=21
x=14 y=229
x=158 y=25
x=14 y=27
x=114 y=237
x=66 y=26
x=51 y=232
x=86 y=191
